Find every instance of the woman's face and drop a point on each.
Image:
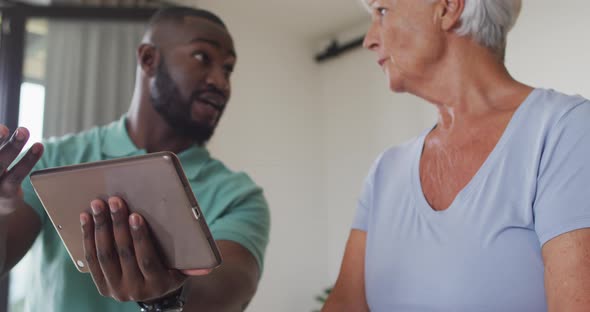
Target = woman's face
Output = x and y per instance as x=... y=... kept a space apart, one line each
x=407 y=38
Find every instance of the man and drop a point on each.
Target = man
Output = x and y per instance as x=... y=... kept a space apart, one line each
x=182 y=87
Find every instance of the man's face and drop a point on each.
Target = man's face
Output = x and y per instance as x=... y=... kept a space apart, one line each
x=192 y=84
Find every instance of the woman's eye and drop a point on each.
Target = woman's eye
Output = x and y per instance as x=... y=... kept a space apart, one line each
x=381 y=11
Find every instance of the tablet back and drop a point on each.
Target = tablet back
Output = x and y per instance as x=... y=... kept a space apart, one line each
x=153 y=185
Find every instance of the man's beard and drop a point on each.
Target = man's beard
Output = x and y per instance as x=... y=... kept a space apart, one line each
x=176 y=110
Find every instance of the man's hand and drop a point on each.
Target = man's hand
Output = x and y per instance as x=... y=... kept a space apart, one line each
x=12 y=206
x=121 y=255
x=10 y=180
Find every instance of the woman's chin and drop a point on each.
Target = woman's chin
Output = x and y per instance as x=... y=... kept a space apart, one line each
x=396 y=85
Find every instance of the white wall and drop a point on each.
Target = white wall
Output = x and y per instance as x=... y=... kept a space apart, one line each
x=308 y=133
x=271 y=130
x=550 y=46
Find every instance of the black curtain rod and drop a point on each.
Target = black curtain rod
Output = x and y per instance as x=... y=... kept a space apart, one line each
x=335 y=49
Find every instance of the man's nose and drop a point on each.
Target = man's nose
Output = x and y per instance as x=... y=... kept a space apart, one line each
x=218 y=78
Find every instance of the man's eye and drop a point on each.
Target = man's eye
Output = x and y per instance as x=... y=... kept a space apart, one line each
x=201 y=57
x=381 y=11
x=229 y=68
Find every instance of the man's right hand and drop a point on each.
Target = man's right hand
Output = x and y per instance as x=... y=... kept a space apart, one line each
x=11 y=194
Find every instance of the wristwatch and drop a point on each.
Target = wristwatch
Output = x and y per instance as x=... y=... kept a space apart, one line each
x=171 y=303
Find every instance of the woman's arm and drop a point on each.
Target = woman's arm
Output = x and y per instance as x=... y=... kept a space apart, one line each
x=349 y=292
x=567 y=271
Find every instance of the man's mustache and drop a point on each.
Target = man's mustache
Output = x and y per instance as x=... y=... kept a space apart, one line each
x=210 y=95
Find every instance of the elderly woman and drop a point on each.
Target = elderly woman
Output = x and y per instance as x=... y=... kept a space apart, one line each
x=488 y=210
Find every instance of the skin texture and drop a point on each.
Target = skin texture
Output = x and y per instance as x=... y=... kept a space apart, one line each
x=182 y=86
x=418 y=51
x=19 y=224
x=349 y=292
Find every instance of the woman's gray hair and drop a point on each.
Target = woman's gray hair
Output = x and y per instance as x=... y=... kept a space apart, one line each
x=485 y=21
x=489 y=21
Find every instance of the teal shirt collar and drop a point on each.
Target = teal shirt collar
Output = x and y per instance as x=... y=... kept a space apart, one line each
x=117 y=143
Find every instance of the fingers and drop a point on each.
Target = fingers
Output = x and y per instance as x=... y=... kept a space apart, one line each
x=197 y=272
x=123 y=240
x=178 y=277
x=147 y=258
x=90 y=253
x=105 y=247
x=15 y=176
x=121 y=254
x=4 y=132
x=10 y=148
x=13 y=146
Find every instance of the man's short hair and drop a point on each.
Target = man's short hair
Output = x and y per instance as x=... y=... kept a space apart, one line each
x=176 y=14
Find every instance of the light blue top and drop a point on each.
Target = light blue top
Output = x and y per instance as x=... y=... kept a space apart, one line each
x=233 y=205
x=484 y=252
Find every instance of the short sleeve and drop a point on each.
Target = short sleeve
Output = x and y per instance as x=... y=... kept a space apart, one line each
x=364 y=203
x=562 y=202
x=246 y=221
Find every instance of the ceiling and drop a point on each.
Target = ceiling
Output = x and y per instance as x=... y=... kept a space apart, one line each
x=308 y=18
x=313 y=19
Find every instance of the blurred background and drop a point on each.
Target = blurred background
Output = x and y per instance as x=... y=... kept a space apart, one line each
x=310 y=110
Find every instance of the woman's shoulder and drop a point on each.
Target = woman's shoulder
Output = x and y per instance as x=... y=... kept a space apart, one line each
x=557 y=104
x=547 y=110
x=400 y=156
x=406 y=149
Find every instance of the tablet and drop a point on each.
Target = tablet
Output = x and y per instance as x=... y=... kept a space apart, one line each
x=153 y=185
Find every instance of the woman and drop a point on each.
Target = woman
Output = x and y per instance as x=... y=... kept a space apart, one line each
x=487 y=211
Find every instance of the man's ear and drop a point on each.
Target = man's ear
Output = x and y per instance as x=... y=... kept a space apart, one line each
x=449 y=13
x=148 y=57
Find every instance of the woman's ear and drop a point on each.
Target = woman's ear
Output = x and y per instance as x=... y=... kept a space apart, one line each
x=148 y=57
x=449 y=12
